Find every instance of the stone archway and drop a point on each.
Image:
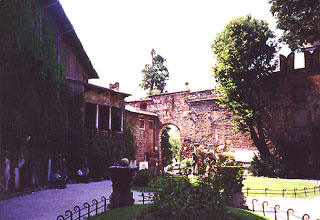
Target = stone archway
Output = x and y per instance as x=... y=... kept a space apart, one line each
x=200 y=120
x=159 y=133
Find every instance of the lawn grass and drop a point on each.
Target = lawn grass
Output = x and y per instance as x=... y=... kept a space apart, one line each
x=279 y=184
x=129 y=212
x=144 y=189
x=123 y=213
x=245 y=214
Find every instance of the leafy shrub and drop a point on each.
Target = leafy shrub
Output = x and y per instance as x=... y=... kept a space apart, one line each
x=186 y=166
x=143 y=178
x=270 y=167
x=103 y=151
x=179 y=199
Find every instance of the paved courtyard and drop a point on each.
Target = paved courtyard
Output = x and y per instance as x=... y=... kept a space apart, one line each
x=48 y=204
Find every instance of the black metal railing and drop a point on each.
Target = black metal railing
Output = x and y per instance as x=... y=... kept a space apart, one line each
x=87 y=210
x=146 y=197
x=276 y=211
x=284 y=192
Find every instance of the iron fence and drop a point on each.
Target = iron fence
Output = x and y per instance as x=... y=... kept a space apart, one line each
x=87 y=210
x=146 y=197
x=277 y=212
x=284 y=192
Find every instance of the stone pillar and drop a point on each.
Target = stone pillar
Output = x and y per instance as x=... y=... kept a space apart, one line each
x=16 y=178
x=49 y=170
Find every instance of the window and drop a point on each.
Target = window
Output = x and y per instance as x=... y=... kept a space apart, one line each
x=116 y=117
x=299 y=94
x=90 y=116
x=300 y=118
x=103 y=118
x=150 y=123
x=141 y=123
x=143 y=106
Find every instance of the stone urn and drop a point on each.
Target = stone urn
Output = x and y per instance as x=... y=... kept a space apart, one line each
x=122 y=178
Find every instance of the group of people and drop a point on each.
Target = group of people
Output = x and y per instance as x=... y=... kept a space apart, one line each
x=59 y=177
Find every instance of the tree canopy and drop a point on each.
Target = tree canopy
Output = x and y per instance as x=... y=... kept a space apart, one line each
x=299 y=19
x=155 y=74
x=245 y=52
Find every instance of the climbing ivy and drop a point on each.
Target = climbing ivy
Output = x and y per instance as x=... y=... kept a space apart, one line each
x=32 y=81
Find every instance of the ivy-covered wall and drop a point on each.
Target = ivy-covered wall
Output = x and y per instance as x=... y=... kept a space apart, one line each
x=32 y=84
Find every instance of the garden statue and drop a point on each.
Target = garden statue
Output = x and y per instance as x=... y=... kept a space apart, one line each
x=194 y=164
x=6 y=171
x=122 y=177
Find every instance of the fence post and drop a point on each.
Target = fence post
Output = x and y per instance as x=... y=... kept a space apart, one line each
x=95 y=202
x=263 y=209
x=77 y=209
x=253 y=201
x=104 y=202
x=295 y=192
x=87 y=205
x=68 y=213
x=266 y=191
x=289 y=212
x=248 y=191
x=276 y=207
x=305 y=191
x=143 y=198
x=283 y=190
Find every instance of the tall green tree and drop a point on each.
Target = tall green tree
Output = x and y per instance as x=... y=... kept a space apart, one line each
x=155 y=74
x=245 y=52
x=166 y=147
x=299 y=19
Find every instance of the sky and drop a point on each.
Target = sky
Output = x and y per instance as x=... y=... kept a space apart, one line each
x=118 y=36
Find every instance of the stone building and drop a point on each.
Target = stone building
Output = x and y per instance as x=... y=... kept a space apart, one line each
x=293 y=110
x=104 y=107
x=144 y=124
x=89 y=106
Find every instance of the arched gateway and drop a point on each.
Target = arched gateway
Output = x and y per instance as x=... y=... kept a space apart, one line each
x=200 y=120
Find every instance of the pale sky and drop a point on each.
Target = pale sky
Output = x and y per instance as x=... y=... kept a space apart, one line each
x=118 y=36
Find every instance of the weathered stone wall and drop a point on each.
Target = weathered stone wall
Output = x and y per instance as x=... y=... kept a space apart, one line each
x=198 y=117
x=292 y=121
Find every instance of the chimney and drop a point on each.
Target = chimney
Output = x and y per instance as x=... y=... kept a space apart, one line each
x=187 y=86
x=115 y=86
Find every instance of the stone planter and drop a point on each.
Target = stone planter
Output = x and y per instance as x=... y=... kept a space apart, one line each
x=122 y=178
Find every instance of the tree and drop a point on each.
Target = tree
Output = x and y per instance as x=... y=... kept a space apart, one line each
x=155 y=74
x=166 y=147
x=299 y=20
x=245 y=51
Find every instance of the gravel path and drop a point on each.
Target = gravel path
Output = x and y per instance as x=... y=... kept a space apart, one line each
x=48 y=204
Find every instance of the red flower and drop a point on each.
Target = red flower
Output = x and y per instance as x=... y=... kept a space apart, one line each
x=210 y=157
x=199 y=163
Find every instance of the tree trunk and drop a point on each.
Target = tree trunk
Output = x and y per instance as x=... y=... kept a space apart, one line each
x=259 y=141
